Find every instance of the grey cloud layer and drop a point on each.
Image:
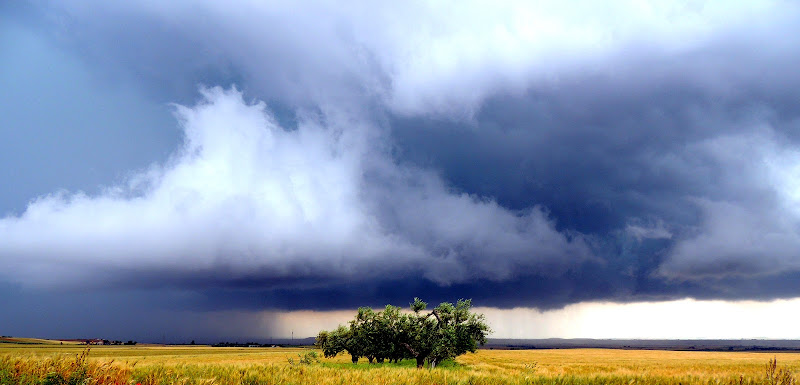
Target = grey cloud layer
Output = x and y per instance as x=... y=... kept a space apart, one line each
x=756 y=230
x=415 y=58
x=643 y=150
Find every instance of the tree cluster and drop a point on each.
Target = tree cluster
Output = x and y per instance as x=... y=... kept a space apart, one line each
x=445 y=332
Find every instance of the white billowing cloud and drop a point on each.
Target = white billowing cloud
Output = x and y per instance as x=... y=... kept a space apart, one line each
x=755 y=229
x=416 y=57
x=245 y=199
x=460 y=53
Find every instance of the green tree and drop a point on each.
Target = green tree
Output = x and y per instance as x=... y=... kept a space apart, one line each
x=391 y=330
x=458 y=331
x=445 y=332
x=420 y=338
x=339 y=340
x=364 y=334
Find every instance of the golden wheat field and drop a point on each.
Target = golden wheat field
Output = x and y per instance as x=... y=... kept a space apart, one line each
x=150 y=365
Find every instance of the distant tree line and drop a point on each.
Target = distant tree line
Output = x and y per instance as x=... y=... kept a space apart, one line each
x=107 y=342
x=239 y=345
x=445 y=332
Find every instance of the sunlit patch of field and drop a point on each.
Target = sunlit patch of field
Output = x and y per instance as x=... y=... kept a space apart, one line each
x=150 y=365
x=633 y=363
x=163 y=355
x=34 y=341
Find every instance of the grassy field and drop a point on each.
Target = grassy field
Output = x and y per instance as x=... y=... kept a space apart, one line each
x=34 y=341
x=149 y=365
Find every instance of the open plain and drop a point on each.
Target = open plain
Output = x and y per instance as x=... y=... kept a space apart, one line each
x=48 y=364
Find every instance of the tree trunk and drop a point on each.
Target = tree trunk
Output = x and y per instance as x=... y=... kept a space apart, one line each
x=420 y=362
x=354 y=358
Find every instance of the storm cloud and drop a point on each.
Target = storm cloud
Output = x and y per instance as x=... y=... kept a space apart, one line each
x=518 y=154
x=246 y=199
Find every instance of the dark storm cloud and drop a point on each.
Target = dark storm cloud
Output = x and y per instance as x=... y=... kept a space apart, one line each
x=519 y=156
x=126 y=314
x=599 y=150
x=698 y=149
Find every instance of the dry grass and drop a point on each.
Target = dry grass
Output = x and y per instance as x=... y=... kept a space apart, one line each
x=149 y=365
x=587 y=362
x=35 y=341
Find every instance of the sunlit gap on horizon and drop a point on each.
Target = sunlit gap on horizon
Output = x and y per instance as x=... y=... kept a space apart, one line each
x=678 y=319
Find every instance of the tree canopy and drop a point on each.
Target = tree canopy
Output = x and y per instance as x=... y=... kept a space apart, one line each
x=444 y=332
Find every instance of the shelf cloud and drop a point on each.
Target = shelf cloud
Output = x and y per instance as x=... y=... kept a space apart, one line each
x=323 y=156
